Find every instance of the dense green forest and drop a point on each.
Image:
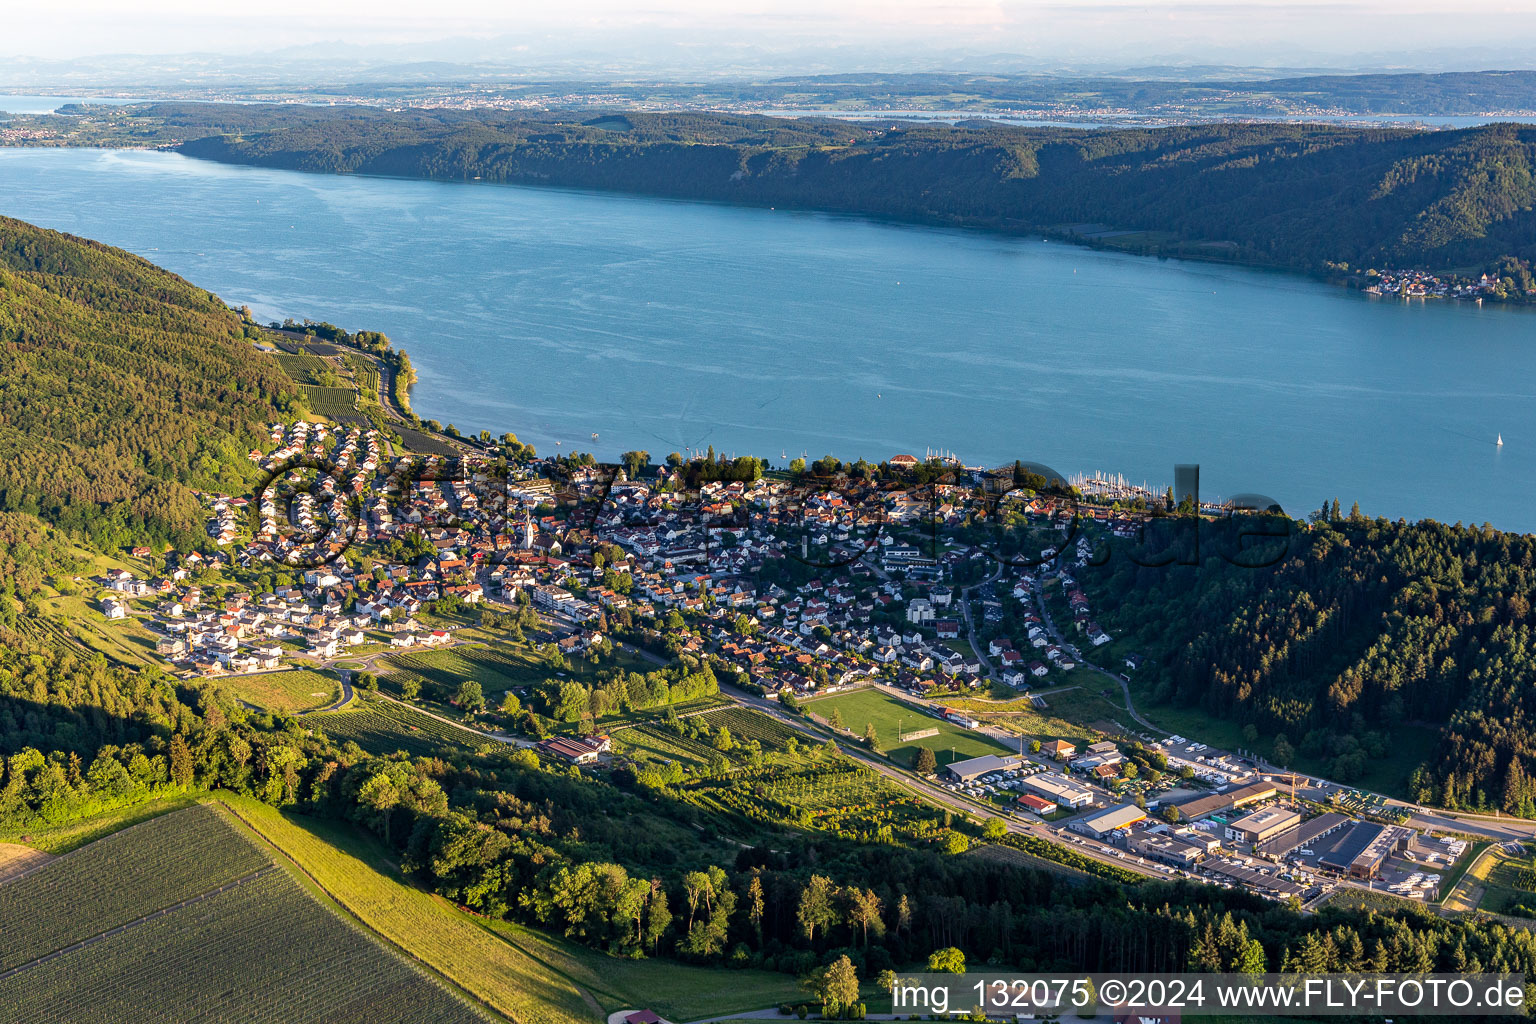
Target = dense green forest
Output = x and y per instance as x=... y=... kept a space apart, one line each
x=1366 y=626
x=1307 y=197
x=122 y=387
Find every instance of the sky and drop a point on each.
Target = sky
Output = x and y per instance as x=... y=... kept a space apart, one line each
x=1260 y=32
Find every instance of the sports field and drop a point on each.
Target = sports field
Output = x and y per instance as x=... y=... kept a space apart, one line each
x=893 y=718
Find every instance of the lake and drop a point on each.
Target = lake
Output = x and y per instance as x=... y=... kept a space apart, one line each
x=668 y=326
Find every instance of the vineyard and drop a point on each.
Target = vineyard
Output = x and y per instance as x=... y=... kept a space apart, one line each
x=339 y=404
x=366 y=373
x=423 y=443
x=381 y=727
x=118 y=879
x=746 y=724
x=305 y=369
x=215 y=961
x=661 y=742
x=839 y=797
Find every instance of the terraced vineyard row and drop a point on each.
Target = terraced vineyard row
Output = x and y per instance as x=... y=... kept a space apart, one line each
x=306 y=369
x=336 y=403
x=381 y=727
x=119 y=879
x=216 y=961
x=746 y=724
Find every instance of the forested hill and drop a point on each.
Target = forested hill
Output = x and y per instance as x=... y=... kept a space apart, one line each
x=1298 y=196
x=121 y=387
x=1370 y=636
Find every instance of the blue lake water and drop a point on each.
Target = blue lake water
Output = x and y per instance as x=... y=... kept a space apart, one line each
x=667 y=325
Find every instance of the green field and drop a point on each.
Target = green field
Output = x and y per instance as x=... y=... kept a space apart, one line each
x=305 y=369
x=1507 y=882
x=497 y=667
x=295 y=690
x=199 y=905
x=382 y=727
x=358 y=872
x=888 y=714
x=335 y=403
x=1068 y=715
x=120 y=878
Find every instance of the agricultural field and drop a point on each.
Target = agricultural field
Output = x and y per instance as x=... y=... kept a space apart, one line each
x=746 y=724
x=359 y=873
x=497 y=668
x=383 y=727
x=121 y=878
x=423 y=443
x=334 y=403
x=1507 y=882
x=294 y=690
x=15 y=858
x=215 y=961
x=305 y=369
x=365 y=372
x=890 y=715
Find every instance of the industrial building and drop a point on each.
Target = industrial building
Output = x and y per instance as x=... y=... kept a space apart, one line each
x=1362 y=849
x=1303 y=835
x=1262 y=825
x=1112 y=819
x=975 y=767
x=1165 y=849
x=1232 y=799
x=1060 y=789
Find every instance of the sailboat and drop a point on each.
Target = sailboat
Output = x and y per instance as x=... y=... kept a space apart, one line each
x=1500 y=441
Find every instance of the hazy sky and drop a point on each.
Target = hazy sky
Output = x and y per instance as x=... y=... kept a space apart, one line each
x=1259 y=31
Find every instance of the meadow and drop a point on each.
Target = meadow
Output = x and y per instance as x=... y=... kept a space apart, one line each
x=294 y=690
x=890 y=716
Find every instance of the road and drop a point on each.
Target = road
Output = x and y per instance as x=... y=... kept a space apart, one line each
x=932 y=792
x=970 y=621
x=1056 y=635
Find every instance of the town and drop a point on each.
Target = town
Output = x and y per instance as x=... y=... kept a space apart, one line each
x=836 y=606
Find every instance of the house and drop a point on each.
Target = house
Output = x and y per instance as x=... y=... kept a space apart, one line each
x=1133 y=661
x=580 y=750
x=1037 y=804
x=114 y=609
x=1059 y=749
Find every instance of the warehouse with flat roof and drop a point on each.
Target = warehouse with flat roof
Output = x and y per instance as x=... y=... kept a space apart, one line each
x=1060 y=789
x=1241 y=796
x=1303 y=835
x=1111 y=819
x=1262 y=825
x=976 y=767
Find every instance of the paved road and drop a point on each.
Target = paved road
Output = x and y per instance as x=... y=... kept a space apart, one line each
x=1056 y=635
x=932 y=792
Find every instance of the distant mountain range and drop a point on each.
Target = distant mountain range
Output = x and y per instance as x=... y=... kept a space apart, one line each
x=1306 y=197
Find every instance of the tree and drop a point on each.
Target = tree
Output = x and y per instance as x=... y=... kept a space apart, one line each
x=1034 y=746
x=925 y=763
x=956 y=842
x=1284 y=753
x=836 y=985
x=871 y=738
x=634 y=462
x=994 y=830
x=181 y=761
x=864 y=913
x=815 y=910
x=510 y=705
x=1170 y=814
x=835 y=720
x=410 y=689
x=948 y=960
x=470 y=697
